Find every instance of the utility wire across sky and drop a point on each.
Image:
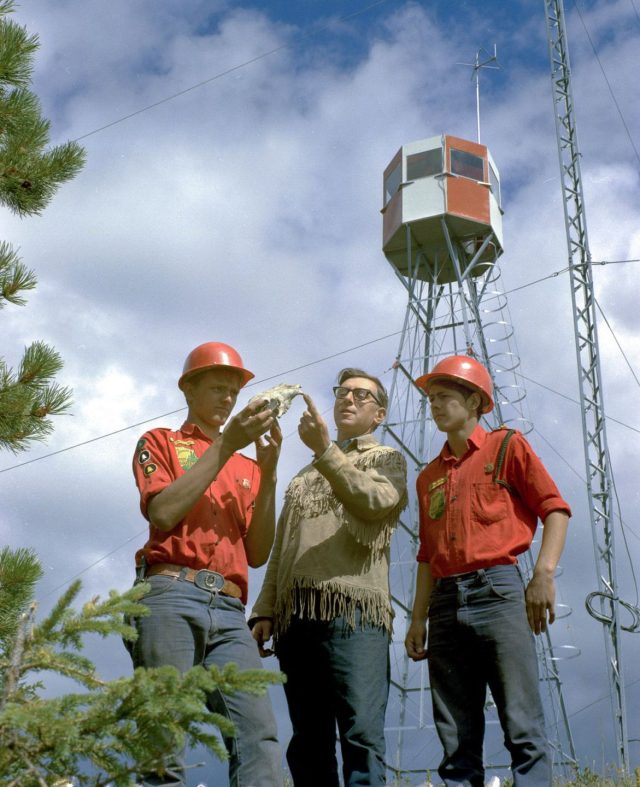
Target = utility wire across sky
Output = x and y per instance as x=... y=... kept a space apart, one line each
x=307 y=33
x=343 y=352
x=312 y=31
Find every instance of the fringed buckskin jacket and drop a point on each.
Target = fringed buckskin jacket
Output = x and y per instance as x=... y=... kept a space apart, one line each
x=331 y=550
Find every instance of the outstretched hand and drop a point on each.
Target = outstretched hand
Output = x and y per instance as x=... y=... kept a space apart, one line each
x=313 y=429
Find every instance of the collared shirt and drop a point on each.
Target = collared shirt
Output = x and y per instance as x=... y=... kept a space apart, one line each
x=211 y=534
x=467 y=521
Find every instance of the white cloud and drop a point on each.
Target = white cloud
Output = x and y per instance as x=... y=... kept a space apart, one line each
x=248 y=210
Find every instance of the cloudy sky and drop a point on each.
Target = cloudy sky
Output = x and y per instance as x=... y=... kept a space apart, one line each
x=232 y=192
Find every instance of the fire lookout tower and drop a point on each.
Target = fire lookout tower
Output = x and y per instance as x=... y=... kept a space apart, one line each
x=442 y=235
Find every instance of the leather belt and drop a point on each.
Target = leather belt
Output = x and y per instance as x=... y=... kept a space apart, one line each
x=461 y=577
x=464 y=575
x=479 y=572
x=203 y=578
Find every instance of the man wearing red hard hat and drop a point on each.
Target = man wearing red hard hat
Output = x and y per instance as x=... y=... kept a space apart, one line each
x=211 y=513
x=479 y=502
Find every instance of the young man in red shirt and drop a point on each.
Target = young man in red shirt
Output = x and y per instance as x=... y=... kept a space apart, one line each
x=211 y=514
x=479 y=502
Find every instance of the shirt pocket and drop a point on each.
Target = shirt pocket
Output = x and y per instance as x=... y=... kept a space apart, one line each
x=489 y=504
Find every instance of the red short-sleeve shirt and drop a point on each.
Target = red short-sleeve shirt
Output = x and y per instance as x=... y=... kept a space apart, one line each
x=467 y=521
x=211 y=534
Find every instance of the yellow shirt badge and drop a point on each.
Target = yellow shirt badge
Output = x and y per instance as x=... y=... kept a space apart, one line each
x=437 y=498
x=436 y=503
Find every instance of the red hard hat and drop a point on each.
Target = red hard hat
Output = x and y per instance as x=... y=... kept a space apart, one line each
x=213 y=355
x=463 y=370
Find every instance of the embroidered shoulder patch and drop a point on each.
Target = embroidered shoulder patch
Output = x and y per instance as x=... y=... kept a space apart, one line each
x=437 y=482
x=186 y=455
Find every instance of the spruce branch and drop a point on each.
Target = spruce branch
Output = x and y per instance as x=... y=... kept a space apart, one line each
x=13 y=672
x=119 y=727
x=61 y=609
x=128 y=724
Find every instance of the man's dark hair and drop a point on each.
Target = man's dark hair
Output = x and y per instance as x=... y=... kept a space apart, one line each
x=381 y=393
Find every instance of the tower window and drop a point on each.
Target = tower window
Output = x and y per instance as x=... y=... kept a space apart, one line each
x=495 y=184
x=466 y=164
x=392 y=182
x=422 y=165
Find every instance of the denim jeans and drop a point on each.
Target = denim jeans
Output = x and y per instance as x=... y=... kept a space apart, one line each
x=335 y=674
x=187 y=627
x=478 y=637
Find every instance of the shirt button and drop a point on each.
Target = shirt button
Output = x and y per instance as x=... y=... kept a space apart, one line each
x=454 y=497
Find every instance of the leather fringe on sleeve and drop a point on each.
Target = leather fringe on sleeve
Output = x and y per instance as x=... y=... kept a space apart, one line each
x=310 y=495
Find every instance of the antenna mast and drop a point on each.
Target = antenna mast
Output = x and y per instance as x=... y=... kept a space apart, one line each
x=476 y=66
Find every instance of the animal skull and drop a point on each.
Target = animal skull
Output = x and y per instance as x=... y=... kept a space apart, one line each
x=279 y=397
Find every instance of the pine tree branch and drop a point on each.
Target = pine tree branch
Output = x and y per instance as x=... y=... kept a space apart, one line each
x=19 y=573
x=31 y=771
x=40 y=363
x=30 y=174
x=17 y=49
x=15 y=277
x=28 y=398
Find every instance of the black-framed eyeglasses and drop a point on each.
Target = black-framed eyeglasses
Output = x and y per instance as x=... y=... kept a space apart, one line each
x=359 y=394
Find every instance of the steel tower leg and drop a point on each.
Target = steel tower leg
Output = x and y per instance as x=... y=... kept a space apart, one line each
x=599 y=478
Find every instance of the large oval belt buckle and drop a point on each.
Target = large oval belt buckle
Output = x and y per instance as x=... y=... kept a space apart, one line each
x=209 y=580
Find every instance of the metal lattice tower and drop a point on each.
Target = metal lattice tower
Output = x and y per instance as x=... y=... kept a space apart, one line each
x=599 y=477
x=455 y=304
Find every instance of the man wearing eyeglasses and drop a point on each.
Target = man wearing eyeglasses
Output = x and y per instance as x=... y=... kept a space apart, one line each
x=325 y=598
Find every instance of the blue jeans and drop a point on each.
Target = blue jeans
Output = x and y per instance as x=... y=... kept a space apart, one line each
x=188 y=627
x=335 y=674
x=478 y=637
